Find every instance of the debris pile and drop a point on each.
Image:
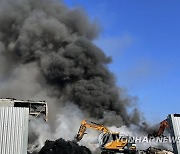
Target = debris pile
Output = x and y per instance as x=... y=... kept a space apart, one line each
x=61 y=146
x=153 y=150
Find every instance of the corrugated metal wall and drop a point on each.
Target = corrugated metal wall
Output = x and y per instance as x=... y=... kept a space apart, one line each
x=13 y=130
x=174 y=122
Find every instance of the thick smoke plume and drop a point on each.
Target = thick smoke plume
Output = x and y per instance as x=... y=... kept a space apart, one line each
x=47 y=53
x=57 y=41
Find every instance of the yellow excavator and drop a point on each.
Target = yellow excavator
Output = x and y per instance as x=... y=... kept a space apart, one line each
x=110 y=142
x=159 y=133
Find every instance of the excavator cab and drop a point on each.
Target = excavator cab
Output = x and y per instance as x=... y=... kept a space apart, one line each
x=105 y=138
x=115 y=136
x=116 y=143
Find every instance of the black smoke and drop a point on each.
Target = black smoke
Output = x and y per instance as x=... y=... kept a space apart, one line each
x=59 y=41
x=61 y=146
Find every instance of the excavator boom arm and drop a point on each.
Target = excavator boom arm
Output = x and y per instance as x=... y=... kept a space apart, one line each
x=163 y=125
x=85 y=124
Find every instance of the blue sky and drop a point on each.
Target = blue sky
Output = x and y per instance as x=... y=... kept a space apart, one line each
x=143 y=38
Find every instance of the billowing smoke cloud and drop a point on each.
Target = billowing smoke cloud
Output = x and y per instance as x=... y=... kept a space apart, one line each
x=47 y=53
x=58 y=42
